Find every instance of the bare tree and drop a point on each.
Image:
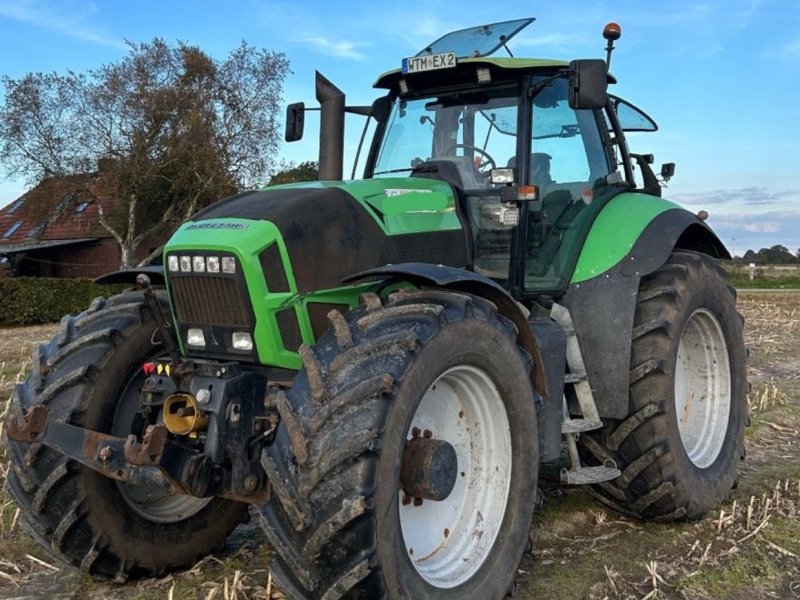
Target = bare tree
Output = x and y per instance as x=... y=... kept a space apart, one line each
x=167 y=130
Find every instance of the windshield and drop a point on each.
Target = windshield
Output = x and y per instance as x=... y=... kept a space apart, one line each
x=465 y=134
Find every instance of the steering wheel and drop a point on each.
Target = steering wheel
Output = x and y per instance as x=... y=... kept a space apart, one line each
x=481 y=168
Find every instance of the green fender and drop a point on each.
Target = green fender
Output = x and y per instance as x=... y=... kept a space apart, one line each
x=632 y=236
x=620 y=226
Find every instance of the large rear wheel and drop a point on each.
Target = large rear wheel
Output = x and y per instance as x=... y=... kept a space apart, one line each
x=405 y=464
x=680 y=446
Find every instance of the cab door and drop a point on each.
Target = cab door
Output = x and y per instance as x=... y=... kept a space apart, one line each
x=569 y=164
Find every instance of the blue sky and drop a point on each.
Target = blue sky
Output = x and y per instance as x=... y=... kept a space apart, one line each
x=722 y=77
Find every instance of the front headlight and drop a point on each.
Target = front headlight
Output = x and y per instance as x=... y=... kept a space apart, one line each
x=228 y=264
x=195 y=337
x=242 y=340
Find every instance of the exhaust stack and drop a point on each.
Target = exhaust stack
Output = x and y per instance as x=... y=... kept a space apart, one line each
x=331 y=129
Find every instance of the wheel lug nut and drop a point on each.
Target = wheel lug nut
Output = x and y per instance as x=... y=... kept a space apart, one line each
x=427 y=433
x=417 y=501
x=406 y=499
x=415 y=432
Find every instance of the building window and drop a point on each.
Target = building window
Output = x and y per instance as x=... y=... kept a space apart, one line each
x=15 y=205
x=36 y=231
x=12 y=230
x=81 y=207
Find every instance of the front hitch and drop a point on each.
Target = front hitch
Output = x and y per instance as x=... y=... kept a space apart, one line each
x=155 y=460
x=125 y=460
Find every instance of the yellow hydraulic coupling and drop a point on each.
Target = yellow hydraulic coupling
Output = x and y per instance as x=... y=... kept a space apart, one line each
x=182 y=415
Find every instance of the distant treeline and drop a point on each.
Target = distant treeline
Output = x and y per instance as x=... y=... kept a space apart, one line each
x=777 y=255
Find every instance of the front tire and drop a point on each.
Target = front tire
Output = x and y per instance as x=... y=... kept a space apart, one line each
x=680 y=446
x=433 y=364
x=89 y=375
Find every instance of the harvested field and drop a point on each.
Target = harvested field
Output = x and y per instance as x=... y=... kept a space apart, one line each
x=747 y=548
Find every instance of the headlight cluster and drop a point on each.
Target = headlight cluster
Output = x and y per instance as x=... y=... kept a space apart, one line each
x=241 y=340
x=201 y=264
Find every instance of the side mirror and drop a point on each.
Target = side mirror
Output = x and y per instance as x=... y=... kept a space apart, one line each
x=588 y=84
x=380 y=108
x=667 y=171
x=295 y=121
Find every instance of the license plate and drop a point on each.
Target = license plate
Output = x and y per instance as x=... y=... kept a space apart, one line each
x=431 y=62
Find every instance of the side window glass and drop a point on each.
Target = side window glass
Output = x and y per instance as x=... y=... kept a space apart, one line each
x=571 y=141
x=632 y=118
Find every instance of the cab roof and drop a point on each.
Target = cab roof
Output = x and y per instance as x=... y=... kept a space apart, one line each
x=501 y=68
x=504 y=67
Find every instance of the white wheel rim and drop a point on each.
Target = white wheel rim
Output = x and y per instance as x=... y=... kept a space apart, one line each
x=702 y=388
x=447 y=541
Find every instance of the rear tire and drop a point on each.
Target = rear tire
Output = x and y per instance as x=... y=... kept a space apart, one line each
x=429 y=360
x=89 y=375
x=680 y=446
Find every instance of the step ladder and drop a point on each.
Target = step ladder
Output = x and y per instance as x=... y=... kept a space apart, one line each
x=589 y=420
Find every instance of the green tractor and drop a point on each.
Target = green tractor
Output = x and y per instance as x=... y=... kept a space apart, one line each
x=379 y=366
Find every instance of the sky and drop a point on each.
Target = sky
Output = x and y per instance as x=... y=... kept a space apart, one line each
x=721 y=78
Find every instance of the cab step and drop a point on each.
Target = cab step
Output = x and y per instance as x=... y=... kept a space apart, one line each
x=580 y=425
x=590 y=475
x=589 y=420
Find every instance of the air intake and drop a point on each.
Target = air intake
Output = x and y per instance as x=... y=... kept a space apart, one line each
x=206 y=300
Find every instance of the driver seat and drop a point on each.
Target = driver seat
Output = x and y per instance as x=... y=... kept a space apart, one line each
x=540 y=170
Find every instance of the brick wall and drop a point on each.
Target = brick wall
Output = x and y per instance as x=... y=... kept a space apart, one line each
x=91 y=260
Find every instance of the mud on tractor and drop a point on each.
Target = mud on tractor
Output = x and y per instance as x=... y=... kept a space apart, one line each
x=379 y=366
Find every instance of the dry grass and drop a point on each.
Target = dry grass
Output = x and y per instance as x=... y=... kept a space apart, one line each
x=749 y=548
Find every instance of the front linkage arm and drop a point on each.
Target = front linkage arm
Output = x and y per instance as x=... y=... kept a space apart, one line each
x=156 y=460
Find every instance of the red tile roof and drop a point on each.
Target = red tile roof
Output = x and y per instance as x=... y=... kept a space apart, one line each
x=56 y=209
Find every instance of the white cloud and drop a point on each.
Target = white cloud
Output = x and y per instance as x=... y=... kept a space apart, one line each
x=791 y=49
x=763 y=227
x=747 y=196
x=324 y=45
x=67 y=18
x=742 y=230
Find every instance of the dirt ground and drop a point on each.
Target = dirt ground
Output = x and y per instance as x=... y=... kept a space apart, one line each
x=749 y=548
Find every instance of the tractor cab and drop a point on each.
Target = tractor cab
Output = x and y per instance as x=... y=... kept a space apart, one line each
x=531 y=148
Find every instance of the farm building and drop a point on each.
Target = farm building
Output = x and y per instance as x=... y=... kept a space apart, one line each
x=54 y=230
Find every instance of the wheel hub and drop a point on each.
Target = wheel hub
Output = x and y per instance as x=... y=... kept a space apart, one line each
x=429 y=469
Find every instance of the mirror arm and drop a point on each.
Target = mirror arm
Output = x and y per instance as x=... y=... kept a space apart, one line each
x=537 y=88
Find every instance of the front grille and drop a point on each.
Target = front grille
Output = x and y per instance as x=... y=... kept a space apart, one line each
x=209 y=300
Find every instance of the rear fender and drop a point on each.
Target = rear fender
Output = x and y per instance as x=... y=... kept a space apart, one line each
x=603 y=306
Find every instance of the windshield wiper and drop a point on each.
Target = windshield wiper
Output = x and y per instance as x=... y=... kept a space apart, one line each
x=406 y=170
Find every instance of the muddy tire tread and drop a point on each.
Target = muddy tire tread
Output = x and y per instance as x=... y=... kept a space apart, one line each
x=343 y=393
